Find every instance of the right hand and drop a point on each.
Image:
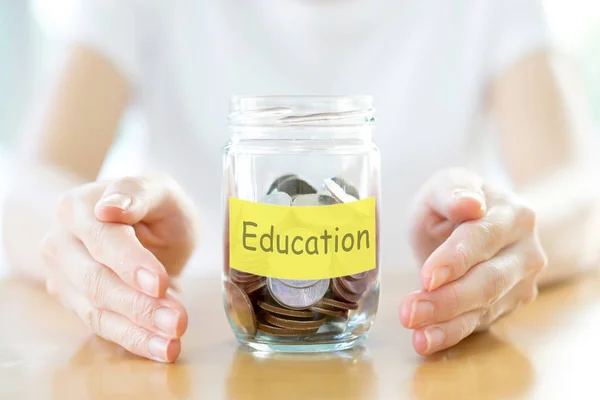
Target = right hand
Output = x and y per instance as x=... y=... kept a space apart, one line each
x=109 y=256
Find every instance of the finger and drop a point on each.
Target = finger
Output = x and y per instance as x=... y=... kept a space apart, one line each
x=522 y=294
x=130 y=200
x=441 y=336
x=114 y=327
x=449 y=198
x=474 y=242
x=480 y=287
x=456 y=194
x=105 y=290
x=114 y=245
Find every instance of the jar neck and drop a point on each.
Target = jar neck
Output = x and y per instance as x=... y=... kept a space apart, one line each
x=301 y=117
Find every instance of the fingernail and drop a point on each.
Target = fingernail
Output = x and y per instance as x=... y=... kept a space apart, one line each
x=439 y=276
x=157 y=347
x=435 y=338
x=117 y=200
x=166 y=319
x=422 y=311
x=147 y=281
x=460 y=194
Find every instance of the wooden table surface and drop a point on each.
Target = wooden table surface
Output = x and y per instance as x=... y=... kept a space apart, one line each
x=548 y=350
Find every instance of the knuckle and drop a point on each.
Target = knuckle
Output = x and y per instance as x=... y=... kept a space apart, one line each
x=489 y=233
x=142 y=307
x=93 y=281
x=489 y=229
x=98 y=232
x=451 y=300
x=468 y=325
x=134 y=339
x=92 y=318
x=526 y=218
x=485 y=319
x=49 y=248
x=51 y=287
x=462 y=256
x=539 y=260
x=531 y=295
x=65 y=206
x=495 y=286
x=131 y=184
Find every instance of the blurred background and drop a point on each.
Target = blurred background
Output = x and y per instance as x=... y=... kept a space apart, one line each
x=29 y=31
x=28 y=48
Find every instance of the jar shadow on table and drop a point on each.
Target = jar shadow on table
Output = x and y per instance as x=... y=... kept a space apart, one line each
x=481 y=367
x=345 y=374
x=102 y=370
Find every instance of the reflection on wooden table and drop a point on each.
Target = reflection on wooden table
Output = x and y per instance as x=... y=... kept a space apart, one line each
x=547 y=350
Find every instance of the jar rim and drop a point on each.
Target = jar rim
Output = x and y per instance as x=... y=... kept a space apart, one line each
x=301 y=110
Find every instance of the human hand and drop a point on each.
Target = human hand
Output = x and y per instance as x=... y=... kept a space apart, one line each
x=109 y=256
x=481 y=257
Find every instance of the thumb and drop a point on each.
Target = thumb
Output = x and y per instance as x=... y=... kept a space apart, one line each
x=131 y=200
x=457 y=195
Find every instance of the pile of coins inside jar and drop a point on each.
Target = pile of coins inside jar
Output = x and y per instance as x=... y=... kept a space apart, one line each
x=296 y=308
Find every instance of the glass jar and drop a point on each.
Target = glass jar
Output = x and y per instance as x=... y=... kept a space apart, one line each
x=301 y=192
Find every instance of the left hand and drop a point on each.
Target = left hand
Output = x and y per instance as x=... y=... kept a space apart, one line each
x=481 y=258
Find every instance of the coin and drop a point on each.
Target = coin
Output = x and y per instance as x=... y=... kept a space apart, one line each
x=343 y=294
x=242 y=277
x=295 y=186
x=337 y=192
x=314 y=200
x=284 y=311
x=342 y=305
x=253 y=287
x=293 y=324
x=277 y=199
x=360 y=275
x=330 y=313
x=299 y=283
x=275 y=331
x=278 y=181
x=240 y=309
x=346 y=186
x=297 y=298
x=358 y=286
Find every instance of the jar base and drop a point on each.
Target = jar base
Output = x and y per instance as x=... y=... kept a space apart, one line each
x=270 y=346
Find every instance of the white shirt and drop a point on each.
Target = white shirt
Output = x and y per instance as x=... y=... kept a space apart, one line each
x=425 y=62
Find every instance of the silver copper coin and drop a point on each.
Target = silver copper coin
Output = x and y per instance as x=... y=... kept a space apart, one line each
x=240 y=309
x=273 y=309
x=308 y=200
x=343 y=294
x=295 y=186
x=278 y=181
x=347 y=187
x=299 y=284
x=297 y=298
x=293 y=324
x=277 y=199
x=337 y=192
x=331 y=303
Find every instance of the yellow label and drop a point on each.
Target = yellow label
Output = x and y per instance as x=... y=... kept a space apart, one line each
x=313 y=242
